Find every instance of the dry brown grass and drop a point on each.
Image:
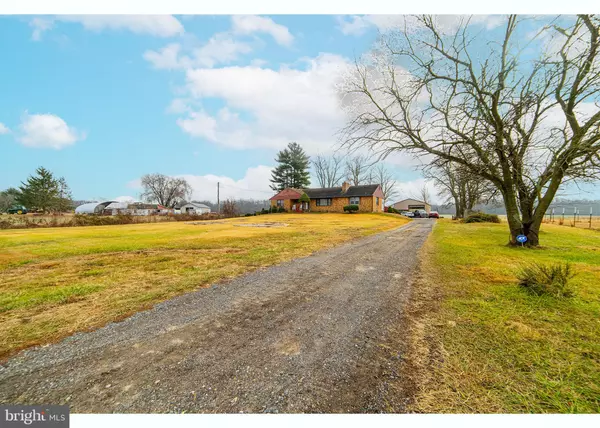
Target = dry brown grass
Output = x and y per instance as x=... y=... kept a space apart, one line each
x=55 y=282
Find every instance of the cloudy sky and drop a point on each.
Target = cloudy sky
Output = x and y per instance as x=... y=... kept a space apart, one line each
x=102 y=100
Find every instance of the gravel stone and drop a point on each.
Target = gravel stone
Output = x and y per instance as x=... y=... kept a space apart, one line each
x=316 y=334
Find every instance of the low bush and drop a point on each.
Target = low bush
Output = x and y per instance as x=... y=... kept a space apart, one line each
x=265 y=211
x=482 y=218
x=547 y=280
x=281 y=209
x=393 y=210
x=351 y=208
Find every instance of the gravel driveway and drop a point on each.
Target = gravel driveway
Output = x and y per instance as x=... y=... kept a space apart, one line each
x=317 y=334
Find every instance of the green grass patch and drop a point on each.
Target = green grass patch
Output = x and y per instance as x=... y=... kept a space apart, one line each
x=504 y=349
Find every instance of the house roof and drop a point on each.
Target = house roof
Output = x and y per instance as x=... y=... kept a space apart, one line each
x=195 y=204
x=331 y=192
x=411 y=199
x=336 y=192
x=92 y=207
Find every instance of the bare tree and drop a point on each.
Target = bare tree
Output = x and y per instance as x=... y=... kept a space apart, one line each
x=358 y=170
x=424 y=195
x=382 y=176
x=460 y=187
x=165 y=190
x=524 y=124
x=230 y=208
x=329 y=170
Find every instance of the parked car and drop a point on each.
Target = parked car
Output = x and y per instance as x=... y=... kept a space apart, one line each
x=18 y=209
x=408 y=214
x=434 y=214
x=420 y=214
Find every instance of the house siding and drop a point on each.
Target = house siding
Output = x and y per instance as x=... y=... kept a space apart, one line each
x=287 y=204
x=366 y=203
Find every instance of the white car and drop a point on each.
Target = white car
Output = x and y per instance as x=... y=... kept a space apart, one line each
x=408 y=214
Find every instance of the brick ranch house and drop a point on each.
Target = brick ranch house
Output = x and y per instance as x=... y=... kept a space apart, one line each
x=368 y=197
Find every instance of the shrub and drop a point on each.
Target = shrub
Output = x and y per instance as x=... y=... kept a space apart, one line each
x=392 y=210
x=482 y=218
x=281 y=209
x=547 y=280
x=351 y=208
x=304 y=198
x=264 y=211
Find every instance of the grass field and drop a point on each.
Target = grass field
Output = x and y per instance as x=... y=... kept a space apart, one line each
x=55 y=282
x=497 y=348
x=583 y=222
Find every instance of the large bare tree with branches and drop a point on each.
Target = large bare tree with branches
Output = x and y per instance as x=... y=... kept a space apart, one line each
x=358 y=169
x=165 y=190
x=525 y=122
x=381 y=175
x=328 y=170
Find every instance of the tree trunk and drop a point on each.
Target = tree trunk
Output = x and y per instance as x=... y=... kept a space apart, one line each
x=517 y=225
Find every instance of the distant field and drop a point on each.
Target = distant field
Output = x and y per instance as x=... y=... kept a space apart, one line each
x=498 y=349
x=583 y=222
x=57 y=281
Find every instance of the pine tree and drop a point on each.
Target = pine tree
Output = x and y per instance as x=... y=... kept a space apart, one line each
x=292 y=170
x=44 y=192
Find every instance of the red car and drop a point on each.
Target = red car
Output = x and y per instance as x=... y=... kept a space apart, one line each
x=434 y=214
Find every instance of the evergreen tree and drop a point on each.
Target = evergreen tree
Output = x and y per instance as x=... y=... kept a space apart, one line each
x=292 y=170
x=8 y=198
x=44 y=192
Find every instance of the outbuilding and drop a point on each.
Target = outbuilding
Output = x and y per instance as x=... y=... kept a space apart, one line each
x=194 y=208
x=411 y=205
x=93 y=207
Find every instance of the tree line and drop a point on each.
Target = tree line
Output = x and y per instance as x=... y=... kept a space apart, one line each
x=293 y=170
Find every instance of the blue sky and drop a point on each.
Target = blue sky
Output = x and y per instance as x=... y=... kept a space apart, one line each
x=102 y=100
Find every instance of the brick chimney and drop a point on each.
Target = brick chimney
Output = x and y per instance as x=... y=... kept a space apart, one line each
x=345 y=186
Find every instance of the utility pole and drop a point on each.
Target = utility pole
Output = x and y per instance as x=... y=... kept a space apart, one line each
x=218 y=200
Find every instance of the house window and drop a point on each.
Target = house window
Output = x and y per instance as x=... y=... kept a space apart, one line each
x=279 y=202
x=354 y=200
x=324 y=202
x=377 y=201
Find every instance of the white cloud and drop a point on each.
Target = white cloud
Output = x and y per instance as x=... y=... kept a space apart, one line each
x=249 y=24
x=3 y=129
x=178 y=106
x=254 y=185
x=358 y=24
x=154 y=25
x=199 y=124
x=167 y=57
x=220 y=49
x=354 y=25
x=47 y=131
x=284 y=105
x=40 y=25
